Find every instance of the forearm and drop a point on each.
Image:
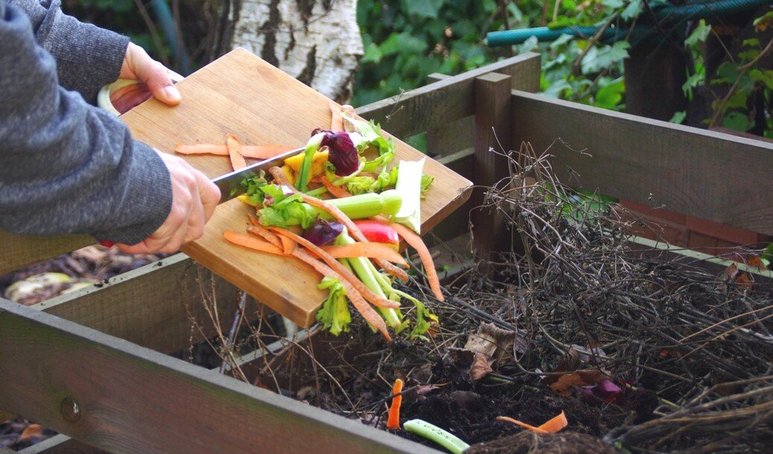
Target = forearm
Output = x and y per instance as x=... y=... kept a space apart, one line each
x=87 y=57
x=66 y=166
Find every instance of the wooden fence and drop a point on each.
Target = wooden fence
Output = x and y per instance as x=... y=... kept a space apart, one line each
x=93 y=364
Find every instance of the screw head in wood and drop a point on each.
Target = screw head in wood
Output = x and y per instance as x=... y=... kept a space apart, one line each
x=70 y=410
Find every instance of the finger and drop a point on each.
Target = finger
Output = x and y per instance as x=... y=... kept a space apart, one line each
x=159 y=81
x=210 y=196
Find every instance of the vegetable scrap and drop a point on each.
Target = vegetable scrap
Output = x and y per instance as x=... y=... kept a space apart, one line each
x=551 y=426
x=235 y=152
x=393 y=417
x=342 y=207
x=234 y=149
x=431 y=432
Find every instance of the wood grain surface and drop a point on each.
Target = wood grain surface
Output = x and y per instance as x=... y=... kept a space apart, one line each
x=243 y=95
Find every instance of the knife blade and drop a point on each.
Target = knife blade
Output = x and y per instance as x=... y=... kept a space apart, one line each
x=230 y=183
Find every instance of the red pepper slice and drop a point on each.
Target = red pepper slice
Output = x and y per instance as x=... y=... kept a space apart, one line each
x=378 y=232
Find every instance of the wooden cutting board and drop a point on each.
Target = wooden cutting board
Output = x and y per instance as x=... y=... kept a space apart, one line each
x=241 y=94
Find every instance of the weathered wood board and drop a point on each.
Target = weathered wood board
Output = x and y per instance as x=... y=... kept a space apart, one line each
x=241 y=94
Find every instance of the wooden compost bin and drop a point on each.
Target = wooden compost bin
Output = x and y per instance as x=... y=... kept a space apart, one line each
x=94 y=364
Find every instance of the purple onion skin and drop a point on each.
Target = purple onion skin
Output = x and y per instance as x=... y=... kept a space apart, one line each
x=323 y=232
x=605 y=391
x=341 y=152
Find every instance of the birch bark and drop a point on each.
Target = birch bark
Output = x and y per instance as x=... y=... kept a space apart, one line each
x=316 y=41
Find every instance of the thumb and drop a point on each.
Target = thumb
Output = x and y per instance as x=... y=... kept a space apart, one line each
x=159 y=82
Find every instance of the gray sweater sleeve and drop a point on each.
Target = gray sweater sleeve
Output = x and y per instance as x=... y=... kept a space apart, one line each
x=87 y=57
x=66 y=166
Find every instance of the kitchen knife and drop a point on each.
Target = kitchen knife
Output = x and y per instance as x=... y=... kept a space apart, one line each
x=230 y=183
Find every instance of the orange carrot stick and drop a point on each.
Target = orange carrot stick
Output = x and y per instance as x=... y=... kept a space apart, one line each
x=417 y=243
x=359 y=303
x=369 y=250
x=393 y=418
x=251 y=242
x=235 y=152
x=339 y=268
x=248 y=151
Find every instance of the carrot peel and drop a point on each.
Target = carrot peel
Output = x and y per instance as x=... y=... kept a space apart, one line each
x=553 y=425
x=393 y=418
x=251 y=242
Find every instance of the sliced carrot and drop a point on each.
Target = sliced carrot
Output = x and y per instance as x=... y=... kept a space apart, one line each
x=235 y=152
x=552 y=426
x=336 y=191
x=555 y=424
x=251 y=242
x=336 y=120
x=266 y=234
x=248 y=151
x=339 y=268
x=202 y=148
x=287 y=244
x=369 y=250
x=356 y=298
x=393 y=418
x=417 y=243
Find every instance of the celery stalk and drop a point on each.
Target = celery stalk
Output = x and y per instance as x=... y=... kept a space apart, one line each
x=367 y=273
x=409 y=186
x=290 y=212
x=304 y=173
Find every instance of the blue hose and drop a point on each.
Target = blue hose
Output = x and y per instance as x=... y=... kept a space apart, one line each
x=166 y=22
x=671 y=13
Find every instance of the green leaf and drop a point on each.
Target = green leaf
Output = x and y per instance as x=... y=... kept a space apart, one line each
x=737 y=121
x=678 y=117
x=726 y=73
x=612 y=4
x=765 y=77
x=600 y=58
x=632 y=10
x=610 y=95
x=423 y=8
x=699 y=34
x=372 y=54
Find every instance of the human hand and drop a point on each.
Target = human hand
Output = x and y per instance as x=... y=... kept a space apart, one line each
x=194 y=199
x=138 y=65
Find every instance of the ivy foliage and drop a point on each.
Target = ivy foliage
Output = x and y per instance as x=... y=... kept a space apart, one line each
x=407 y=40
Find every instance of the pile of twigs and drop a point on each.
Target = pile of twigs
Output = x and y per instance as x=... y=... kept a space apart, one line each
x=699 y=340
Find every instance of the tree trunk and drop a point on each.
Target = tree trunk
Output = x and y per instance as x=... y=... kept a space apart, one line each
x=316 y=41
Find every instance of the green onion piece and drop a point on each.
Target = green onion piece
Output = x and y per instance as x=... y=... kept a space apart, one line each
x=434 y=433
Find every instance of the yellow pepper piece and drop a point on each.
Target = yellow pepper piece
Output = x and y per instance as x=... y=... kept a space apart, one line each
x=318 y=162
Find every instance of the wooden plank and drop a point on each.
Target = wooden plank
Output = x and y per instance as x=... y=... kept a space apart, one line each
x=492 y=143
x=156 y=306
x=451 y=136
x=20 y=250
x=261 y=104
x=61 y=444
x=123 y=398
x=433 y=105
x=700 y=173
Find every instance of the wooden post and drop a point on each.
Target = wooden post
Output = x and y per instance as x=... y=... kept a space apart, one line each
x=492 y=143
